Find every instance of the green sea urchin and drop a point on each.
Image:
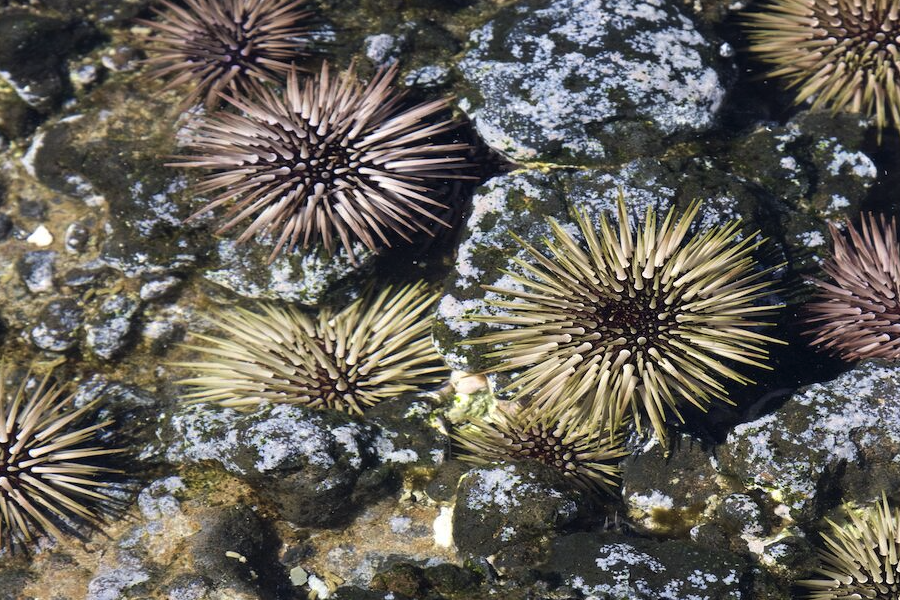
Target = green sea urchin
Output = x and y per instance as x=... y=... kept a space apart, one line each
x=44 y=476
x=858 y=316
x=862 y=559
x=332 y=160
x=842 y=54
x=376 y=348
x=589 y=459
x=643 y=319
x=219 y=45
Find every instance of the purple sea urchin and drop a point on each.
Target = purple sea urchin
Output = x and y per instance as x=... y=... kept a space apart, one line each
x=842 y=54
x=589 y=459
x=218 y=45
x=376 y=348
x=330 y=160
x=43 y=473
x=645 y=319
x=862 y=560
x=858 y=316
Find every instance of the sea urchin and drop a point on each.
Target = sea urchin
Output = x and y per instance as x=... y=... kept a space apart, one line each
x=589 y=459
x=330 y=160
x=862 y=560
x=639 y=318
x=844 y=54
x=376 y=348
x=217 y=45
x=43 y=474
x=858 y=316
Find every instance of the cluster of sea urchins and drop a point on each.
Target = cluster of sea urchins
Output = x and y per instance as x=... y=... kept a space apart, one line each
x=46 y=474
x=329 y=159
x=629 y=324
x=840 y=54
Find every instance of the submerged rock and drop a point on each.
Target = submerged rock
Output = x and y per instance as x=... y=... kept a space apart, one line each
x=111 y=329
x=36 y=268
x=608 y=565
x=508 y=505
x=303 y=460
x=58 y=326
x=590 y=81
x=830 y=441
x=668 y=494
x=33 y=53
x=305 y=277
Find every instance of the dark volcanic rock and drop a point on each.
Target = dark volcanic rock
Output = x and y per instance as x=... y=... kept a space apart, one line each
x=303 y=460
x=36 y=270
x=58 y=326
x=110 y=330
x=831 y=441
x=607 y=565
x=33 y=52
x=667 y=494
x=511 y=505
x=103 y=155
x=590 y=81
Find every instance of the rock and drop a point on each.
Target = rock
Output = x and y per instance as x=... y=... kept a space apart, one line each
x=157 y=287
x=301 y=459
x=590 y=81
x=110 y=330
x=301 y=277
x=830 y=441
x=12 y=580
x=608 y=565
x=237 y=550
x=136 y=412
x=58 y=326
x=407 y=437
x=91 y=274
x=33 y=52
x=417 y=582
x=36 y=270
x=813 y=170
x=32 y=209
x=511 y=504
x=668 y=494
x=77 y=236
x=114 y=154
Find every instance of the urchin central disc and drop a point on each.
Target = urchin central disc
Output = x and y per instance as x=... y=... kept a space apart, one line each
x=328 y=164
x=864 y=34
x=543 y=446
x=636 y=316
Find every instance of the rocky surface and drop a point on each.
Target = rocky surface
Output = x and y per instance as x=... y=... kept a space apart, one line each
x=587 y=81
x=831 y=440
x=101 y=278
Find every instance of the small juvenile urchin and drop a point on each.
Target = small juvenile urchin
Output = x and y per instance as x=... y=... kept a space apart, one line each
x=332 y=160
x=862 y=559
x=858 y=316
x=589 y=459
x=376 y=348
x=218 y=45
x=636 y=322
x=45 y=474
x=842 y=54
